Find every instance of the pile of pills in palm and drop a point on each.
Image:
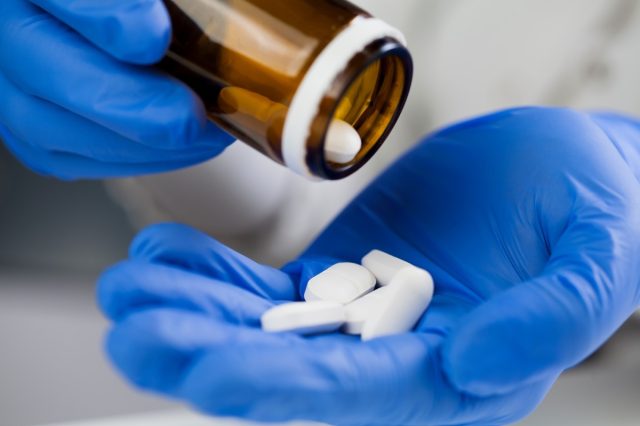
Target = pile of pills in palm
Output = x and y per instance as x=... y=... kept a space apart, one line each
x=381 y=297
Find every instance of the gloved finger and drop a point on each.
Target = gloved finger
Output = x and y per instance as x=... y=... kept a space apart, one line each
x=192 y=250
x=71 y=167
x=550 y=323
x=624 y=132
x=231 y=371
x=136 y=31
x=155 y=348
x=56 y=129
x=137 y=285
x=44 y=59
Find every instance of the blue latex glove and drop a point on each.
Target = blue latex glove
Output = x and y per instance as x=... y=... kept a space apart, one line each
x=75 y=102
x=529 y=221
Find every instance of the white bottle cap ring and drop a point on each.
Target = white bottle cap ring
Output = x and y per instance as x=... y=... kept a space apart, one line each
x=326 y=68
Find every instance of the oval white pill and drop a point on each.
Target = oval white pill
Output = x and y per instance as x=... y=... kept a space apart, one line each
x=360 y=311
x=405 y=300
x=342 y=283
x=304 y=317
x=342 y=143
x=383 y=266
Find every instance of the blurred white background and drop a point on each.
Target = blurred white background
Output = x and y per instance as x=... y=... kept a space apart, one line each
x=471 y=57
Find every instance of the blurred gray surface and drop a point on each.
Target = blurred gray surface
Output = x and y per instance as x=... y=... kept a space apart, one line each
x=46 y=224
x=51 y=363
x=168 y=418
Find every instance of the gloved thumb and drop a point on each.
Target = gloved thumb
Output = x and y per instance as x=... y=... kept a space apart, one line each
x=541 y=327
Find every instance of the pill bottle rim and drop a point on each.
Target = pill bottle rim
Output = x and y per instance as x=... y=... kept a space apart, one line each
x=327 y=72
x=382 y=49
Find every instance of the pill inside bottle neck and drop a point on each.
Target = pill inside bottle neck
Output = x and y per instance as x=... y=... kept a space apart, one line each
x=342 y=144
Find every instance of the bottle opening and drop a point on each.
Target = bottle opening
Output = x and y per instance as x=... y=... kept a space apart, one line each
x=369 y=101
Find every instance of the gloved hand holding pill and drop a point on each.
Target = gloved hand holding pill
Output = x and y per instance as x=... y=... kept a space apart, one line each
x=344 y=296
x=529 y=222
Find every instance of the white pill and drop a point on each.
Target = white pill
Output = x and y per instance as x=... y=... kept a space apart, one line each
x=304 y=318
x=404 y=301
x=363 y=309
x=383 y=266
x=342 y=143
x=342 y=283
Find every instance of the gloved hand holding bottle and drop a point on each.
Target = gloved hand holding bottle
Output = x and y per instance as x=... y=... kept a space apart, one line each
x=319 y=97
x=528 y=220
x=96 y=112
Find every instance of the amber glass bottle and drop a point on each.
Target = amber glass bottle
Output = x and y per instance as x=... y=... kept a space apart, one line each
x=275 y=73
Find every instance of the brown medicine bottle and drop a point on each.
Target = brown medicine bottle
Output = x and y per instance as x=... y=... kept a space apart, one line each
x=276 y=73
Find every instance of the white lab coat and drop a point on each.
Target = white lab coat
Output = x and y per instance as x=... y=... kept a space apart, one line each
x=471 y=57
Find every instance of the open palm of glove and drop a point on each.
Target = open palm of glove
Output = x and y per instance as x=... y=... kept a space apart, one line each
x=529 y=221
x=75 y=101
